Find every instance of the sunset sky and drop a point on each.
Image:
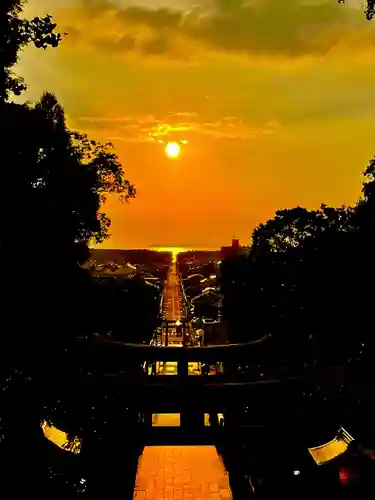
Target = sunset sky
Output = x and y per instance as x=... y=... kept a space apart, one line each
x=275 y=99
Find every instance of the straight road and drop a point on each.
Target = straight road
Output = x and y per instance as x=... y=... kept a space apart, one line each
x=172 y=295
x=172 y=303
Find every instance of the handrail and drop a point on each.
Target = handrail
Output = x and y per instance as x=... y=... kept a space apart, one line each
x=334 y=448
x=161 y=307
x=186 y=301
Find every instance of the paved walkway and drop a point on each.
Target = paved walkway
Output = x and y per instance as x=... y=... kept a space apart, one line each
x=180 y=472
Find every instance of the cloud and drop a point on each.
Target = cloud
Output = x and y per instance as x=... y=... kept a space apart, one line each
x=265 y=130
x=125 y=43
x=151 y=129
x=156 y=46
x=157 y=19
x=277 y=27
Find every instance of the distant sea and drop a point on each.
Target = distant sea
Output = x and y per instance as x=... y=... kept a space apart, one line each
x=176 y=249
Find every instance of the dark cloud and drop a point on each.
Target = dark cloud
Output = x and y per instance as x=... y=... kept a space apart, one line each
x=157 y=19
x=289 y=27
x=95 y=8
x=74 y=33
x=229 y=5
x=126 y=42
x=157 y=46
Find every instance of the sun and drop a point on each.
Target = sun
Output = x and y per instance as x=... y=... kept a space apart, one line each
x=173 y=150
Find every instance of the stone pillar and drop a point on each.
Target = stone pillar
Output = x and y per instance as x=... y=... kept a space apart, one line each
x=148 y=420
x=191 y=420
x=106 y=458
x=111 y=449
x=183 y=368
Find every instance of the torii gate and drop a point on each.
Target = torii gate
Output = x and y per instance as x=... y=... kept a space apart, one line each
x=173 y=323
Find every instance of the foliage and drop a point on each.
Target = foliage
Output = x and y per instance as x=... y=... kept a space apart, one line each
x=292 y=228
x=72 y=177
x=60 y=181
x=16 y=33
x=303 y=280
x=369 y=8
x=128 y=309
x=55 y=182
x=60 y=178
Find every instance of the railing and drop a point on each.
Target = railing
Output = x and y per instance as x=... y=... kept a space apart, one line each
x=161 y=309
x=186 y=301
x=123 y=368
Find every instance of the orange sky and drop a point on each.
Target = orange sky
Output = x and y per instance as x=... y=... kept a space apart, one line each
x=276 y=101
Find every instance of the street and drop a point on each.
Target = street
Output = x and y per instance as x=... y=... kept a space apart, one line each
x=172 y=295
x=172 y=304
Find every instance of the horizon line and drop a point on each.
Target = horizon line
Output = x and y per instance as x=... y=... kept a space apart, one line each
x=161 y=248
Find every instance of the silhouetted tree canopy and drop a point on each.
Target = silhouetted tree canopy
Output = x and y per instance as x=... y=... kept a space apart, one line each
x=292 y=228
x=369 y=7
x=128 y=309
x=305 y=277
x=55 y=182
x=58 y=179
x=16 y=33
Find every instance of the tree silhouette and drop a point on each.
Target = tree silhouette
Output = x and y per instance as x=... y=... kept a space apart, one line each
x=369 y=8
x=55 y=183
x=291 y=228
x=72 y=178
x=59 y=178
x=128 y=308
x=16 y=33
x=298 y=281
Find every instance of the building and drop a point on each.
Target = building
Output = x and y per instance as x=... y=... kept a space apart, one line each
x=231 y=251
